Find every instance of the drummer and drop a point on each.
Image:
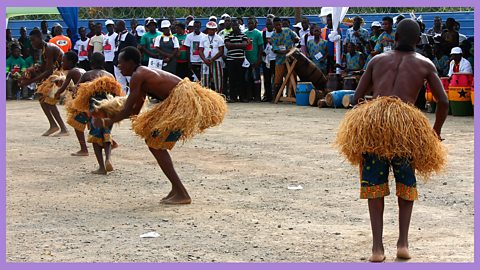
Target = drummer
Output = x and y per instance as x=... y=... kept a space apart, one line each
x=353 y=60
x=459 y=64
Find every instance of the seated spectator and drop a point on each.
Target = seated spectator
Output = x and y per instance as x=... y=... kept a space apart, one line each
x=10 y=42
x=353 y=60
x=15 y=67
x=458 y=64
x=441 y=61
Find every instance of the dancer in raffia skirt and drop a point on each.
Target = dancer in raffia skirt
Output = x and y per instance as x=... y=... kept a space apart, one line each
x=390 y=132
x=186 y=110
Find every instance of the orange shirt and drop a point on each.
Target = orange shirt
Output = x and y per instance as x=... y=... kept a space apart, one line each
x=63 y=42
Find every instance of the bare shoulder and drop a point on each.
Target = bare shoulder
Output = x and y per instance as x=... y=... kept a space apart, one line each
x=106 y=74
x=424 y=61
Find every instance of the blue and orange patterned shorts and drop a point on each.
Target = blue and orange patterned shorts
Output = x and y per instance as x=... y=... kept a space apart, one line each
x=163 y=140
x=374 y=177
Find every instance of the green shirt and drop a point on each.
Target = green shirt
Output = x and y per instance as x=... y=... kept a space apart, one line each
x=15 y=64
x=29 y=61
x=183 y=50
x=256 y=39
x=147 y=42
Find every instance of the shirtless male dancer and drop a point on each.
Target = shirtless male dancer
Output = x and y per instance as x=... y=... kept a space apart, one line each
x=51 y=56
x=400 y=73
x=69 y=63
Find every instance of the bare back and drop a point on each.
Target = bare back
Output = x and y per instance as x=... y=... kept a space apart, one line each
x=154 y=82
x=76 y=73
x=93 y=74
x=400 y=74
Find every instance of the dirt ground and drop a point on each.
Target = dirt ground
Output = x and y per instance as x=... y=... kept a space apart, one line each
x=238 y=175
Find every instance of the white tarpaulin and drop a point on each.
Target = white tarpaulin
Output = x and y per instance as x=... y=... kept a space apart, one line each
x=338 y=13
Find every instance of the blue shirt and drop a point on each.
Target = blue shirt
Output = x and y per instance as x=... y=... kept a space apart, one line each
x=283 y=41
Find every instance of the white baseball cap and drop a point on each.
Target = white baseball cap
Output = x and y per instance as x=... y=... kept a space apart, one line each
x=191 y=23
x=221 y=22
x=165 y=24
x=211 y=25
x=298 y=25
x=140 y=30
x=109 y=22
x=456 y=50
x=225 y=15
x=212 y=18
x=376 y=24
x=151 y=20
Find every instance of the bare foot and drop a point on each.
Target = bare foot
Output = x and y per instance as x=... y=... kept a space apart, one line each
x=170 y=194
x=402 y=253
x=61 y=134
x=114 y=144
x=177 y=199
x=108 y=166
x=80 y=154
x=51 y=131
x=376 y=258
x=100 y=171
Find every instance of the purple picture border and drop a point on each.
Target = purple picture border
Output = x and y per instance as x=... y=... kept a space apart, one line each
x=213 y=266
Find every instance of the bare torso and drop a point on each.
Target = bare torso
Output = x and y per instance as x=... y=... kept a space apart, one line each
x=93 y=74
x=76 y=74
x=154 y=82
x=401 y=74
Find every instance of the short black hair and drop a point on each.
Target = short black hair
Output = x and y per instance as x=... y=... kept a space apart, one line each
x=79 y=29
x=277 y=19
x=97 y=60
x=98 y=23
x=131 y=53
x=72 y=57
x=181 y=25
x=36 y=33
x=389 y=19
x=15 y=46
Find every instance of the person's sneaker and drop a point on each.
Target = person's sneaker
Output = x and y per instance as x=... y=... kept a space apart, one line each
x=32 y=97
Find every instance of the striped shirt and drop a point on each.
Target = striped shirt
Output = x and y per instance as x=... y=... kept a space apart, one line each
x=235 y=54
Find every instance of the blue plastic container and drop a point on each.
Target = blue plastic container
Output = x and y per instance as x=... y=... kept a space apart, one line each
x=334 y=98
x=302 y=93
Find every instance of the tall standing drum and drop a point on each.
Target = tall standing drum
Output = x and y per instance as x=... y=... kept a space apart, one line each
x=334 y=82
x=307 y=70
x=459 y=94
x=350 y=83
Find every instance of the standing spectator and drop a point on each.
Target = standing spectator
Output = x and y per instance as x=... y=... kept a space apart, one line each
x=236 y=43
x=189 y=19
x=461 y=37
x=376 y=31
x=212 y=19
x=437 y=27
x=285 y=23
x=307 y=37
x=192 y=42
x=305 y=27
x=254 y=53
x=441 y=61
x=133 y=27
x=357 y=34
x=221 y=25
x=282 y=41
x=450 y=37
x=15 y=67
x=211 y=52
x=81 y=48
x=223 y=33
x=147 y=43
x=91 y=27
x=25 y=43
x=63 y=42
x=167 y=46
x=10 y=42
x=109 y=46
x=317 y=50
x=47 y=35
x=241 y=24
x=458 y=64
x=467 y=52
x=96 y=42
x=269 y=61
x=386 y=40
x=123 y=39
x=182 y=59
x=332 y=57
x=190 y=27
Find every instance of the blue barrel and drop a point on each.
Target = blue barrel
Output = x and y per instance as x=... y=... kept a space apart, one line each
x=302 y=94
x=334 y=98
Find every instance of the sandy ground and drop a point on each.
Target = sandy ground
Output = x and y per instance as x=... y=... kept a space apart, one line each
x=242 y=210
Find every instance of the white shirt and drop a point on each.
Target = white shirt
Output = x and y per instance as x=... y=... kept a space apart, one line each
x=303 y=32
x=109 y=46
x=193 y=42
x=302 y=40
x=215 y=42
x=464 y=67
x=163 y=38
x=269 y=49
x=81 y=47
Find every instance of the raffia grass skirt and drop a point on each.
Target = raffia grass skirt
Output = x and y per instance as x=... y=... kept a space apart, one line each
x=389 y=127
